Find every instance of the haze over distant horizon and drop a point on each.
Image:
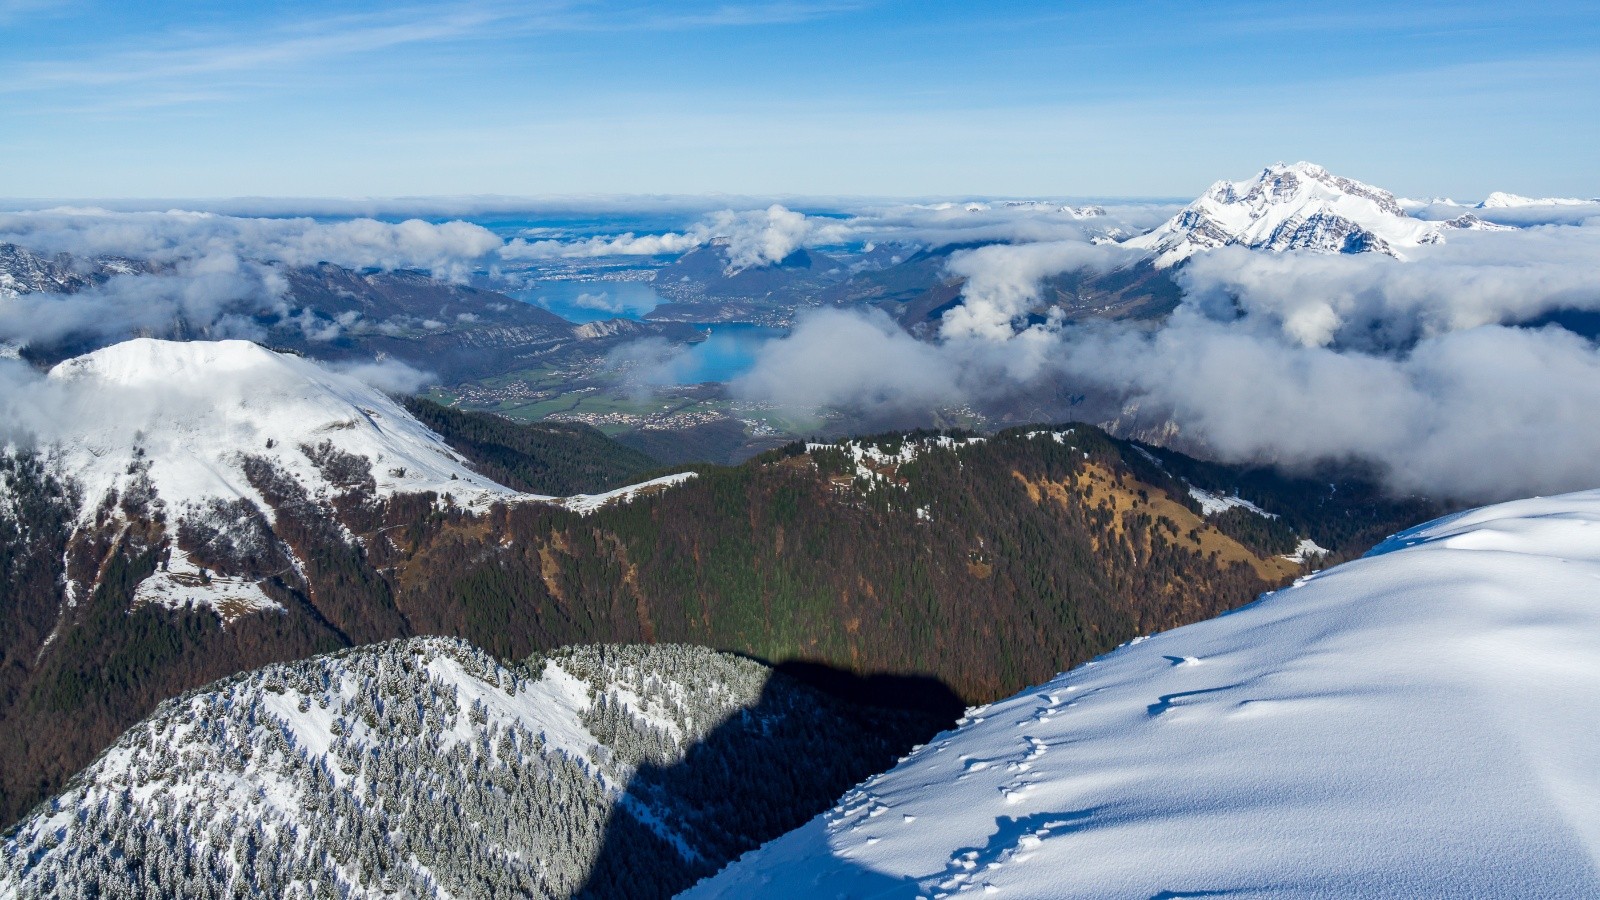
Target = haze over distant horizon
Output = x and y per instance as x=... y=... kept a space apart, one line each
x=806 y=97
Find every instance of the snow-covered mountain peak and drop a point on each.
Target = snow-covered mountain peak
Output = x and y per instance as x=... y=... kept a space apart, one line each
x=188 y=414
x=1289 y=207
x=22 y=271
x=145 y=361
x=1503 y=200
x=1415 y=723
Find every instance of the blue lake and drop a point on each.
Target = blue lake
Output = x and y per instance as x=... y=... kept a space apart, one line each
x=591 y=301
x=729 y=352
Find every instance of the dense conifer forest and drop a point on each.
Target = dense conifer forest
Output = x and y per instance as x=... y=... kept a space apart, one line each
x=424 y=766
x=553 y=458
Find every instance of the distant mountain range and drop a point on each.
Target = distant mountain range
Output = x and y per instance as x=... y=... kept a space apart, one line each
x=24 y=271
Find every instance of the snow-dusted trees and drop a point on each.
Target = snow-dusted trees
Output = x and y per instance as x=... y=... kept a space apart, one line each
x=425 y=767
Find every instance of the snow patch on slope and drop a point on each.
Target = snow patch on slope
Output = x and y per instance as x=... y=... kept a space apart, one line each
x=1416 y=723
x=180 y=584
x=876 y=463
x=1306 y=551
x=585 y=504
x=1216 y=504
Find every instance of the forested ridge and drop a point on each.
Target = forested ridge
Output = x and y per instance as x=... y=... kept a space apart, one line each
x=986 y=564
x=425 y=767
x=554 y=458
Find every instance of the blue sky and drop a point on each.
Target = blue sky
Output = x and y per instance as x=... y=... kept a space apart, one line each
x=832 y=97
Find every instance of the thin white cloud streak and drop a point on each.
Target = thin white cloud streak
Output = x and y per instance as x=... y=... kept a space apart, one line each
x=216 y=54
x=222 y=53
x=388 y=375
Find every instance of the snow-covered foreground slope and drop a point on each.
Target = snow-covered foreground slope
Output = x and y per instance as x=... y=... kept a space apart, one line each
x=1290 y=207
x=425 y=767
x=1417 y=723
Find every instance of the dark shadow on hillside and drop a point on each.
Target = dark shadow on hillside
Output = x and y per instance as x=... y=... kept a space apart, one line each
x=884 y=690
x=764 y=772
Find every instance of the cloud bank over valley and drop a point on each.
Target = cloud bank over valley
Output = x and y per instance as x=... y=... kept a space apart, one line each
x=1468 y=368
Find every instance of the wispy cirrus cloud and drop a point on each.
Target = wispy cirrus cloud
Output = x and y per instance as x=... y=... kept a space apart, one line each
x=282 y=46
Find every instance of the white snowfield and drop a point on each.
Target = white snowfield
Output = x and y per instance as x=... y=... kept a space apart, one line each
x=1289 y=207
x=197 y=408
x=1417 y=723
x=1503 y=200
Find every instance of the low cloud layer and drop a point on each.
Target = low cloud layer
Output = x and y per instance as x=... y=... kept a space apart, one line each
x=1371 y=301
x=1419 y=366
x=213 y=295
x=209 y=275
x=447 y=249
x=205 y=275
x=765 y=236
x=1002 y=281
x=1297 y=359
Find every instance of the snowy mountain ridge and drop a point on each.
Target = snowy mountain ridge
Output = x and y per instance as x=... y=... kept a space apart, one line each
x=1289 y=207
x=192 y=434
x=1504 y=200
x=1414 y=723
x=24 y=271
x=427 y=768
x=194 y=410
x=308 y=753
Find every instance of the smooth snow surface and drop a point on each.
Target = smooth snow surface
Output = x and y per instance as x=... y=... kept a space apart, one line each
x=1417 y=723
x=1289 y=207
x=1503 y=200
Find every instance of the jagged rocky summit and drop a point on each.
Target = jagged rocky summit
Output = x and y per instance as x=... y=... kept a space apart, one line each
x=1291 y=207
